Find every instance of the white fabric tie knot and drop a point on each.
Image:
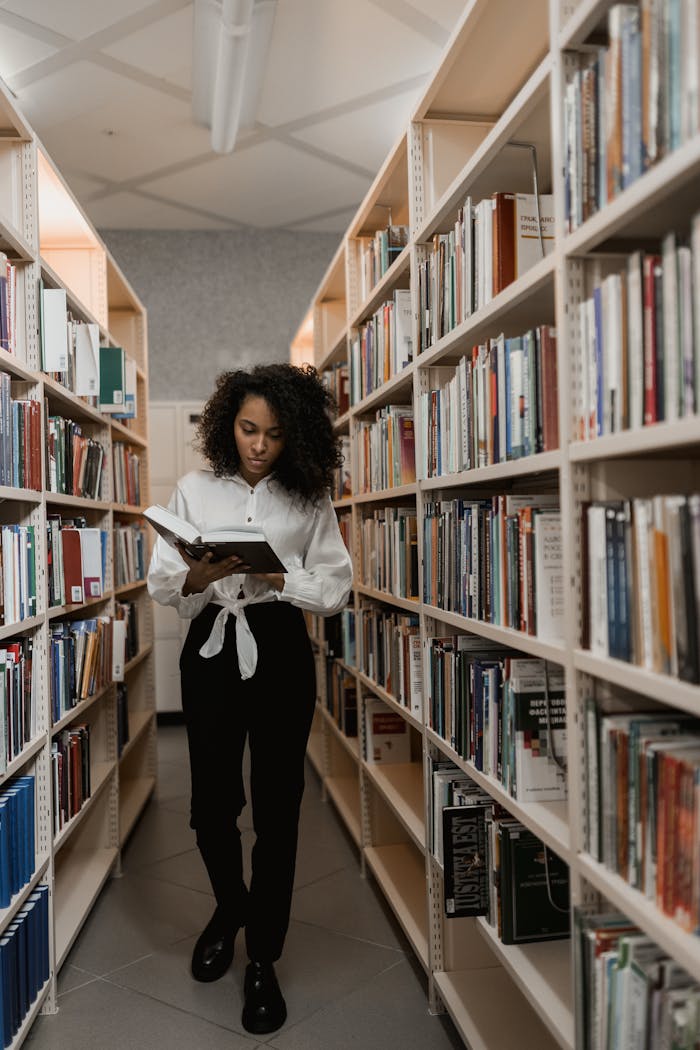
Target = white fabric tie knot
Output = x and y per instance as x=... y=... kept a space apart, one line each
x=246 y=645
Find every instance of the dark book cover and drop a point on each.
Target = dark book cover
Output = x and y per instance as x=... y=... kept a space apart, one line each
x=465 y=851
x=534 y=889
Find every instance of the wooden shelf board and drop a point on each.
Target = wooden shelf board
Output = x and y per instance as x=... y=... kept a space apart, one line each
x=345 y=794
x=18 y=369
x=490 y=1012
x=138 y=659
x=79 y=879
x=350 y=743
x=400 y=872
x=79 y=710
x=26 y=755
x=314 y=752
x=70 y=402
x=386 y=495
x=56 y=611
x=11 y=492
x=548 y=820
x=139 y=721
x=652 y=440
x=543 y=972
x=672 y=691
x=401 y=785
x=541 y=463
x=129 y=436
x=527 y=643
x=588 y=16
x=14 y=245
x=100 y=775
x=9 y=630
x=7 y=914
x=393 y=703
x=388 y=393
x=395 y=277
x=682 y=946
x=64 y=499
x=410 y=604
x=337 y=352
x=133 y=796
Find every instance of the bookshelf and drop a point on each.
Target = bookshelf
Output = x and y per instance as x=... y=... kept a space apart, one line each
x=494 y=91
x=45 y=235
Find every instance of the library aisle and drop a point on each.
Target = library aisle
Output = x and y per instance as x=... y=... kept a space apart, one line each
x=350 y=978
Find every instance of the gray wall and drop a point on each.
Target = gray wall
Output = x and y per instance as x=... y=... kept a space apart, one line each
x=218 y=300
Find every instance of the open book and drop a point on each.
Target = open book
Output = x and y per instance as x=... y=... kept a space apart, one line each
x=246 y=541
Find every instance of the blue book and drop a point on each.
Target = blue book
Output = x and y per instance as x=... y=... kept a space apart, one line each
x=5 y=892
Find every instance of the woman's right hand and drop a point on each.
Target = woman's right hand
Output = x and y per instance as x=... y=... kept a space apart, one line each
x=202 y=573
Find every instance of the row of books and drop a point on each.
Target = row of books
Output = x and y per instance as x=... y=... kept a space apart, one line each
x=388 y=553
x=24 y=962
x=390 y=653
x=504 y=713
x=18 y=569
x=341 y=486
x=377 y=253
x=629 y=993
x=340 y=636
x=20 y=438
x=382 y=347
x=8 y=305
x=341 y=697
x=84 y=657
x=70 y=773
x=497 y=404
x=71 y=354
x=642 y=563
x=630 y=104
x=128 y=612
x=337 y=380
x=130 y=554
x=494 y=241
x=127 y=474
x=17 y=837
x=74 y=461
x=639 y=360
x=493 y=865
x=76 y=560
x=643 y=772
x=385 y=449
x=498 y=560
x=18 y=706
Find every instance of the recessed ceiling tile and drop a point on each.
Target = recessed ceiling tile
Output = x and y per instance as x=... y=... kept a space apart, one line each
x=134 y=132
x=68 y=93
x=326 y=53
x=76 y=18
x=364 y=136
x=266 y=185
x=162 y=49
x=129 y=211
x=19 y=50
x=331 y=224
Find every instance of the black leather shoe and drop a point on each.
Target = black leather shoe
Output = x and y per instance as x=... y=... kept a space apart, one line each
x=264 y=1009
x=213 y=952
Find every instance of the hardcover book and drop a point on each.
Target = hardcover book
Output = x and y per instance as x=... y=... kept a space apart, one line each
x=245 y=541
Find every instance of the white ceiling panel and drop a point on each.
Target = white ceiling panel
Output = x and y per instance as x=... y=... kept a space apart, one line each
x=76 y=19
x=445 y=12
x=267 y=185
x=19 y=50
x=134 y=132
x=129 y=211
x=323 y=54
x=145 y=50
x=364 y=136
x=337 y=223
x=76 y=90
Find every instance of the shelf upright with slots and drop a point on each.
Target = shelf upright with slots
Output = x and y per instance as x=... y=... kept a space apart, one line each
x=49 y=241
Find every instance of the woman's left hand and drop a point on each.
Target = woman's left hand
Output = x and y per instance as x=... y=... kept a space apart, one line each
x=272 y=579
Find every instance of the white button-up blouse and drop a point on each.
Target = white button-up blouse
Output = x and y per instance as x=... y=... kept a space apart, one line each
x=305 y=537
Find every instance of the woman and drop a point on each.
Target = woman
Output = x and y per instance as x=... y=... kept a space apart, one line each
x=247 y=668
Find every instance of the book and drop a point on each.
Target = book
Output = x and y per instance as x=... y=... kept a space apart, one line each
x=388 y=738
x=534 y=888
x=465 y=848
x=244 y=541
x=112 y=376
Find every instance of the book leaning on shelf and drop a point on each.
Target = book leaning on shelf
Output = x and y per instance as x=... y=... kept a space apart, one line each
x=244 y=541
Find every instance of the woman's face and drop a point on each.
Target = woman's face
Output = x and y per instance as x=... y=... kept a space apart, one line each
x=259 y=438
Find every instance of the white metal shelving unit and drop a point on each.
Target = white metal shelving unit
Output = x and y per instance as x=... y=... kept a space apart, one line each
x=67 y=253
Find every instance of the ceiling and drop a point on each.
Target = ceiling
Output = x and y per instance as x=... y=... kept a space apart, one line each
x=107 y=87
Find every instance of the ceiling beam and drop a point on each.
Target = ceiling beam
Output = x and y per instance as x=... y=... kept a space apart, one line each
x=414 y=19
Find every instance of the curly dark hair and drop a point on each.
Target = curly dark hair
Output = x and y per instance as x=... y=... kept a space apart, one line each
x=304 y=409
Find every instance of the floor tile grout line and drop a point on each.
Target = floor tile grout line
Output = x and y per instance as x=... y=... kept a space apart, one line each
x=350 y=937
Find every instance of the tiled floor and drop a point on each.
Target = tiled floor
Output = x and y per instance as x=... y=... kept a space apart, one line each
x=350 y=979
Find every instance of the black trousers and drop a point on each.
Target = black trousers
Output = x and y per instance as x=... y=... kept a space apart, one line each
x=274 y=710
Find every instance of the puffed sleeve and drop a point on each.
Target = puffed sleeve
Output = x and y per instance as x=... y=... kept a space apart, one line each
x=167 y=572
x=322 y=583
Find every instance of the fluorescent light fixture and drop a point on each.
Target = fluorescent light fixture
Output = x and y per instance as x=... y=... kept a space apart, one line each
x=231 y=43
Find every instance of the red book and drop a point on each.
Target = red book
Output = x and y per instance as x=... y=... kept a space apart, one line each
x=503 y=240
x=72 y=566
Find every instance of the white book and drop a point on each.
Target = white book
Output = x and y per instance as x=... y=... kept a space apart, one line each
x=54 y=330
x=388 y=738
x=592 y=378
x=612 y=342
x=539 y=721
x=685 y=330
x=642 y=523
x=597 y=581
x=416 y=698
x=502 y=407
x=118 y=649
x=87 y=360
x=529 y=247
x=403 y=328
x=91 y=553
x=549 y=579
x=635 y=341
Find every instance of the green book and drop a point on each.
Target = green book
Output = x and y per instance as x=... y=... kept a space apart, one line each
x=112 y=379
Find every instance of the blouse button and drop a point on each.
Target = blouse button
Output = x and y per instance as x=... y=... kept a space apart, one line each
x=252 y=492
x=250 y=519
